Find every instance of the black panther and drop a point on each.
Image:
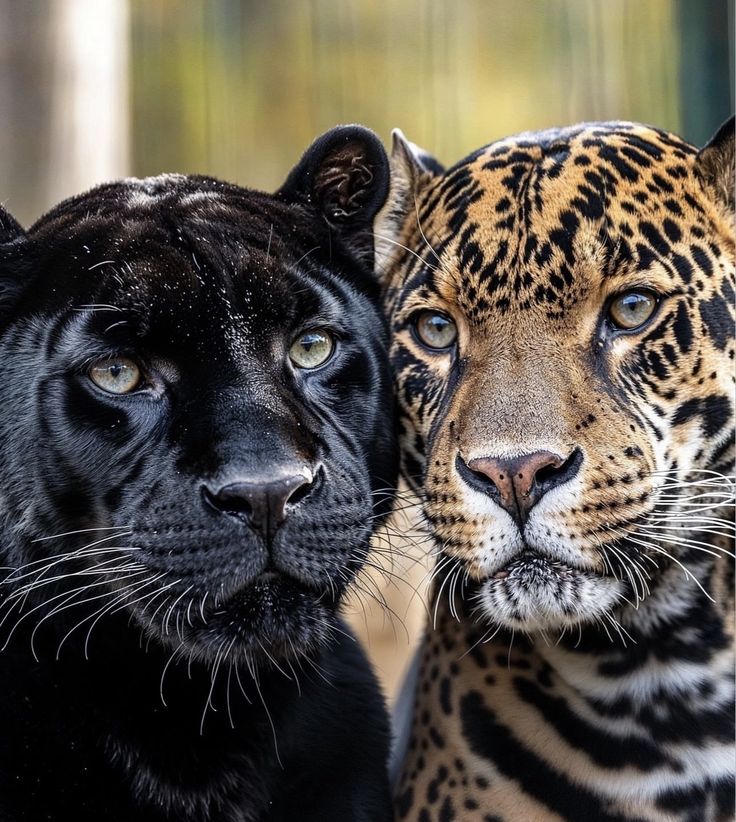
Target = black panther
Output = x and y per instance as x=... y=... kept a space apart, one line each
x=196 y=444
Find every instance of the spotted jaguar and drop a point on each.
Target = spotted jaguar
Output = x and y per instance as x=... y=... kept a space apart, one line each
x=561 y=305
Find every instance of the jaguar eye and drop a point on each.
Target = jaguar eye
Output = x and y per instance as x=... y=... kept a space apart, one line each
x=632 y=309
x=116 y=375
x=312 y=348
x=435 y=330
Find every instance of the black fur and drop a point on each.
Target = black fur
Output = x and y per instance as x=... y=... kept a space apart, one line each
x=236 y=692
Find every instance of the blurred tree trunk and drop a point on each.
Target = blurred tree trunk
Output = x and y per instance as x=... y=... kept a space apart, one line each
x=63 y=99
x=89 y=104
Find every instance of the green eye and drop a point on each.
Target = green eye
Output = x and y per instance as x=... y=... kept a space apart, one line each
x=118 y=375
x=435 y=330
x=311 y=349
x=632 y=309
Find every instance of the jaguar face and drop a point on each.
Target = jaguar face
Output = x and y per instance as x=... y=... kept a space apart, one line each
x=561 y=307
x=194 y=432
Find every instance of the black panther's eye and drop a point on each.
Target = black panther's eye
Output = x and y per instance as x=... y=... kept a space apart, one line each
x=435 y=330
x=116 y=375
x=631 y=309
x=312 y=348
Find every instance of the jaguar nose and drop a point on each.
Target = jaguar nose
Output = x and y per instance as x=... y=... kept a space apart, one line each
x=261 y=504
x=518 y=484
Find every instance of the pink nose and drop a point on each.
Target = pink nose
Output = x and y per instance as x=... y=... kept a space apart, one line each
x=518 y=484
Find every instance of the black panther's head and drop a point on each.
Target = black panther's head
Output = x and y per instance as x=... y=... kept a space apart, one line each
x=196 y=426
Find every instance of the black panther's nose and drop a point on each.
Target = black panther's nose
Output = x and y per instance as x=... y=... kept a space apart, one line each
x=262 y=504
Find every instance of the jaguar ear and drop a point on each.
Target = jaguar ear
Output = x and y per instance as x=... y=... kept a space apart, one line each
x=714 y=165
x=344 y=174
x=414 y=160
x=411 y=169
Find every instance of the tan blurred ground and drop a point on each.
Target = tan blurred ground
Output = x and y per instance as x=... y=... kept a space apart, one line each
x=387 y=609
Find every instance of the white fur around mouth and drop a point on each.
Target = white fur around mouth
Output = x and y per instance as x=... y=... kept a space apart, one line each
x=532 y=566
x=534 y=592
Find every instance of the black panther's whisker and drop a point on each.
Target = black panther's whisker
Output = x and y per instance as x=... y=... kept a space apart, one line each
x=240 y=685
x=227 y=684
x=133 y=588
x=176 y=652
x=272 y=660
x=213 y=678
x=44 y=604
x=172 y=607
x=45 y=563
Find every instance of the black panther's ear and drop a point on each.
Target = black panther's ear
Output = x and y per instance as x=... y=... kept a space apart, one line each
x=411 y=169
x=10 y=232
x=715 y=165
x=344 y=174
x=10 y=228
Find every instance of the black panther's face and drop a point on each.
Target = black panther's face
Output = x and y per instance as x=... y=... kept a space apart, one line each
x=197 y=399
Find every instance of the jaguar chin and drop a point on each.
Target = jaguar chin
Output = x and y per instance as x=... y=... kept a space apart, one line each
x=537 y=593
x=194 y=453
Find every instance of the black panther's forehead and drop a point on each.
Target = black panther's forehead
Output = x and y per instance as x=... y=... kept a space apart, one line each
x=192 y=260
x=198 y=219
x=174 y=201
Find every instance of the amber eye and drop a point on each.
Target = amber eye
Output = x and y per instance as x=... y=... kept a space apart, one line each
x=116 y=375
x=312 y=348
x=632 y=309
x=435 y=330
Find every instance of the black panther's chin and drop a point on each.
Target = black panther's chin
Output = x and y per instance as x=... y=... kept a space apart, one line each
x=271 y=620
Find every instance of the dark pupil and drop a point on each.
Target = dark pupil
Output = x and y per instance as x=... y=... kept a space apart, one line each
x=633 y=302
x=116 y=370
x=438 y=323
x=309 y=341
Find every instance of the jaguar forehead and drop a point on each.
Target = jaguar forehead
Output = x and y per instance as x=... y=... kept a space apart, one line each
x=520 y=221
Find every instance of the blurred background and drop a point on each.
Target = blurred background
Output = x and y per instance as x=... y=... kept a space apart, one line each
x=92 y=90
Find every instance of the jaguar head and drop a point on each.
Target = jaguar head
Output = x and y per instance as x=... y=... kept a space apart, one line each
x=561 y=307
x=194 y=433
